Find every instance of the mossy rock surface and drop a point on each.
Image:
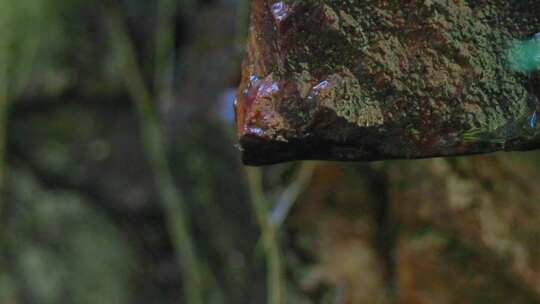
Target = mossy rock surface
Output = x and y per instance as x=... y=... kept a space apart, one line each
x=369 y=80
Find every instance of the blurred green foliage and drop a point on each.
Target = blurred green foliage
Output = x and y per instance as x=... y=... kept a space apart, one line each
x=31 y=34
x=82 y=220
x=62 y=249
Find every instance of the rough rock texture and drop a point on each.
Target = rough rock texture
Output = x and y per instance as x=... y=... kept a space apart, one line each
x=445 y=230
x=369 y=80
x=468 y=230
x=337 y=246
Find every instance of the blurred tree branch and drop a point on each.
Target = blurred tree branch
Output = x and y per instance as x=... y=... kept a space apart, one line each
x=274 y=265
x=164 y=49
x=270 y=221
x=153 y=141
x=290 y=194
x=4 y=104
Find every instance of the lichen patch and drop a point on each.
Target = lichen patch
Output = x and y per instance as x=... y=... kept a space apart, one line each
x=342 y=93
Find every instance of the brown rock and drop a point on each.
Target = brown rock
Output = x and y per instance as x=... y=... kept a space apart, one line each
x=380 y=79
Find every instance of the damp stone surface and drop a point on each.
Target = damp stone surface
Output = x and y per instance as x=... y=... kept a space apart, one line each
x=374 y=80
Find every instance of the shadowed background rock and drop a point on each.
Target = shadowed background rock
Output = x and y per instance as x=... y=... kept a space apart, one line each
x=373 y=80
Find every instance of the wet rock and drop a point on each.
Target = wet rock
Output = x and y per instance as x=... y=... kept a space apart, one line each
x=373 y=80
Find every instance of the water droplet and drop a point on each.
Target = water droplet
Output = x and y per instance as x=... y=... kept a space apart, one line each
x=254 y=78
x=226 y=102
x=322 y=85
x=256 y=131
x=533 y=120
x=280 y=11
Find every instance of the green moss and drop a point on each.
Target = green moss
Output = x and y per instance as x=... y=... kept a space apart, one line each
x=354 y=103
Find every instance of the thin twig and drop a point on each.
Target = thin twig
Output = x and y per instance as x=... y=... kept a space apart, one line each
x=171 y=197
x=274 y=265
x=4 y=105
x=164 y=49
x=165 y=58
x=270 y=224
x=289 y=196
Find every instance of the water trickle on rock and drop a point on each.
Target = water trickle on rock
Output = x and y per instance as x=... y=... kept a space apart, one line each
x=533 y=120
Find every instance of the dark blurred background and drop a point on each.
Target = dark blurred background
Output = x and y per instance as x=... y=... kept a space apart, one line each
x=122 y=182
